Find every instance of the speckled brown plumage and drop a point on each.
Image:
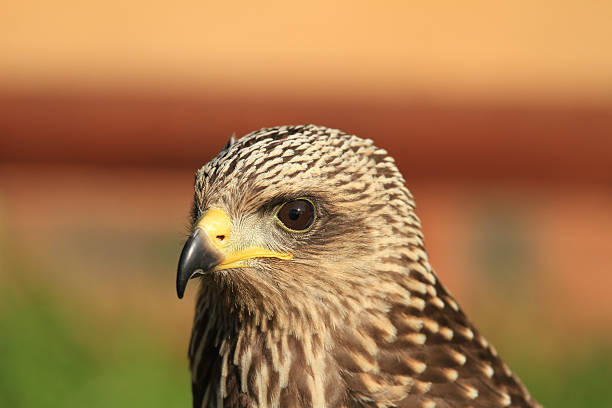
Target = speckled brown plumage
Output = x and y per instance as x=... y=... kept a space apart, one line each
x=357 y=317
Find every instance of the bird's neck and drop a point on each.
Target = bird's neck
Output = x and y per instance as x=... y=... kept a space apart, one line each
x=263 y=356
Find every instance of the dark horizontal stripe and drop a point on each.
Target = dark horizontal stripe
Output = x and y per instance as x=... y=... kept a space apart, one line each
x=478 y=142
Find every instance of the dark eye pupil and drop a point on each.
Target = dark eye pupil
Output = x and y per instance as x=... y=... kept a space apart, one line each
x=294 y=213
x=297 y=215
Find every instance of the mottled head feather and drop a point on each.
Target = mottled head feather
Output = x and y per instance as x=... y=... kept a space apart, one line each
x=308 y=157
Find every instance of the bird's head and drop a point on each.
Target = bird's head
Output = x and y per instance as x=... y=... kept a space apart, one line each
x=297 y=215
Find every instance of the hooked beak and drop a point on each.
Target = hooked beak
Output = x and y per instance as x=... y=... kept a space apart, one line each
x=208 y=248
x=198 y=254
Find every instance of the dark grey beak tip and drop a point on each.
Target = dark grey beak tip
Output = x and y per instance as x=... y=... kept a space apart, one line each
x=197 y=254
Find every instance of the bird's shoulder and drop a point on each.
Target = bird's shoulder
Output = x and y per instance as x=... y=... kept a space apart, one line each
x=424 y=352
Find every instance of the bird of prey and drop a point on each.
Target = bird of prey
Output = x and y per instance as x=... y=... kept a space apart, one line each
x=316 y=289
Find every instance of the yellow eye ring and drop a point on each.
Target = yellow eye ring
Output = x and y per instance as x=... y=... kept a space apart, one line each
x=296 y=215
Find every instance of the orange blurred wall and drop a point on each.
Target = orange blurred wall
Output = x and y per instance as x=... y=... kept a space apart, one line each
x=551 y=51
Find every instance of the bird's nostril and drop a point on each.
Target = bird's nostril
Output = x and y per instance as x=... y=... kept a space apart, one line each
x=220 y=237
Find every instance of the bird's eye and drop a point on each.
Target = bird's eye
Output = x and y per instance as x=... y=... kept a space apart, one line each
x=296 y=215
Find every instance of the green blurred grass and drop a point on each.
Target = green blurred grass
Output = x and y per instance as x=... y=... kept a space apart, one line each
x=52 y=357
x=577 y=380
x=57 y=352
x=55 y=357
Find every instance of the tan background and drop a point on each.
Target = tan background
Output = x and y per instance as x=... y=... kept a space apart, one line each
x=439 y=49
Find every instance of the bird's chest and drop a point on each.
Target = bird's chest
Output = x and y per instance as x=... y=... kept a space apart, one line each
x=255 y=368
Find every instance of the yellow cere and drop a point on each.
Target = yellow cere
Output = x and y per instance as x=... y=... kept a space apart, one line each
x=218 y=226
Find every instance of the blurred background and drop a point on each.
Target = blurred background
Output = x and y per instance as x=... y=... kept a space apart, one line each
x=499 y=114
